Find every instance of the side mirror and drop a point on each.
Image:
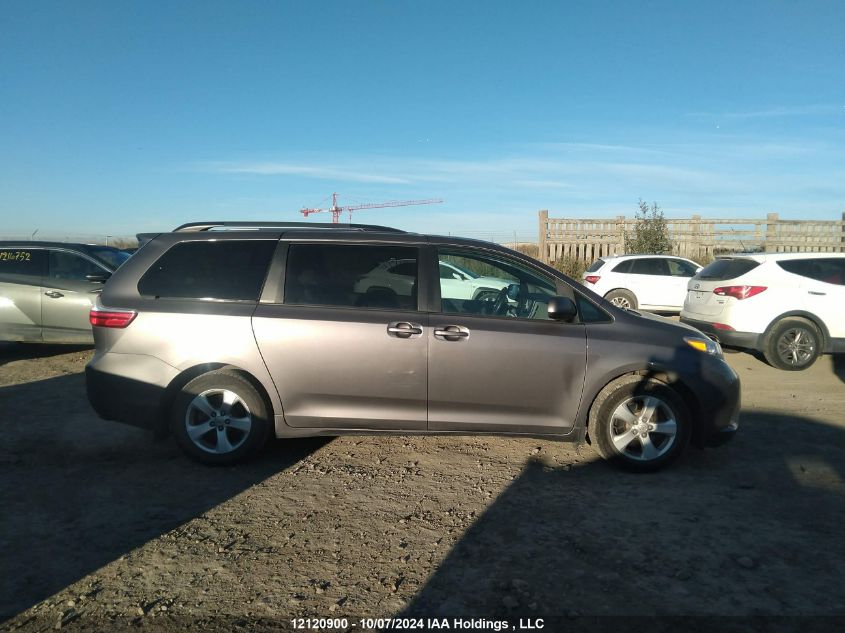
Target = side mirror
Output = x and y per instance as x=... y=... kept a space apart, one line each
x=457 y=276
x=562 y=309
x=699 y=269
x=99 y=278
x=513 y=292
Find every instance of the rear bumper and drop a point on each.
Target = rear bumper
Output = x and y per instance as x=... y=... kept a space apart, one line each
x=122 y=399
x=729 y=338
x=129 y=388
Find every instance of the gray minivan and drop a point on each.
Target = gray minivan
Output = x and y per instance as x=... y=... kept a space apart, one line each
x=228 y=333
x=47 y=289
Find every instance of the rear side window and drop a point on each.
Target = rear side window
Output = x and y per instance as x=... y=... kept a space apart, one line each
x=595 y=265
x=22 y=265
x=723 y=269
x=352 y=276
x=649 y=266
x=831 y=271
x=229 y=270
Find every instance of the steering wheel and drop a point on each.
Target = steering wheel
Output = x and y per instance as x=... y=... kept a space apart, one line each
x=500 y=304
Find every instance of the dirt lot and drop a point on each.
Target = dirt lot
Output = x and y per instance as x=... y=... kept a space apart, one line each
x=100 y=526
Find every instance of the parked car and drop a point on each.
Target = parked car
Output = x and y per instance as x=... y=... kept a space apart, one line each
x=789 y=306
x=47 y=289
x=228 y=333
x=650 y=282
x=399 y=277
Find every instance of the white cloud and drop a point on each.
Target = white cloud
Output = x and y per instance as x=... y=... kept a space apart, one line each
x=776 y=111
x=323 y=172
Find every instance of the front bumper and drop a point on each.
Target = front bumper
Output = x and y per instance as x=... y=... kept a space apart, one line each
x=719 y=395
x=729 y=338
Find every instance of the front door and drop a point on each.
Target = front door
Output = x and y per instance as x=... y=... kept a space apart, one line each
x=346 y=348
x=67 y=297
x=496 y=362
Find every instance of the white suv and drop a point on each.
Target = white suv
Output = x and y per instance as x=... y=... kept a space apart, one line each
x=790 y=306
x=650 y=282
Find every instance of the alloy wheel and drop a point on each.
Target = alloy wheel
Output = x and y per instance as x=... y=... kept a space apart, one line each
x=643 y=428
x=796 y=347
x=218 y=421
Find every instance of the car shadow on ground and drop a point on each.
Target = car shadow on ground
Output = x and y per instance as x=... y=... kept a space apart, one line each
x=78 y=492
x=751 y=528
x=20 y=351
x=839 y=366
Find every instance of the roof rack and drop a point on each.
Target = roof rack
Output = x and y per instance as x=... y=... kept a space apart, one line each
x=233 y=226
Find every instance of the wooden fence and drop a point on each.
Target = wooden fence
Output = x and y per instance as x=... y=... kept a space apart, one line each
x=696 y=238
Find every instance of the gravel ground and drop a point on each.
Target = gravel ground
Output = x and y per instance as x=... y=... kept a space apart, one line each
x=101 y=527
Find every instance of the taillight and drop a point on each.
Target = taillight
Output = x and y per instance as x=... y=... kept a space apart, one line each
x=724 y=326
x=111 y=318
x=592 y=278
x=739 y=292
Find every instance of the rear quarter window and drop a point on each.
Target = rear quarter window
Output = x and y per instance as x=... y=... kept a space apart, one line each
x=731 y=268
x=228 y=270
x=623 y=267
x=595 y=265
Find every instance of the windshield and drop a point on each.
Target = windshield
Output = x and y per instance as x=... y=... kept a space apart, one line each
x=113 y=257
x=722 y=269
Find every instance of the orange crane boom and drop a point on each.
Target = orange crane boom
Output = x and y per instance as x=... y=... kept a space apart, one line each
x=336 y=210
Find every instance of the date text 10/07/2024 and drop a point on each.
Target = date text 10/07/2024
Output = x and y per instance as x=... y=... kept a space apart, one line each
x=417 y=624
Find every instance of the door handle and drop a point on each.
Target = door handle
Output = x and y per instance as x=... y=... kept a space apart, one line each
x=54 y=294
x=452 y=333
x=404 y=329
x=818 y=294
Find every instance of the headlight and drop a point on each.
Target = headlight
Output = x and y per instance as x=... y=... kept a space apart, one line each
x=705 y=345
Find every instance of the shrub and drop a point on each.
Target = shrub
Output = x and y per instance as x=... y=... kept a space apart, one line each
x=651 y=235
x=571 y=267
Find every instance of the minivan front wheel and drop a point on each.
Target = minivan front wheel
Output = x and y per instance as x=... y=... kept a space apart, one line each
x=639 y=424
x=219 y=418
x=793 y=344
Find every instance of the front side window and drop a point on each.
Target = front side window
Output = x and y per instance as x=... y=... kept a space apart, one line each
x=114 y=257
x=492 y=285
x=831 y=271
x=352 y=276
x=65 y=266
x=232 y=270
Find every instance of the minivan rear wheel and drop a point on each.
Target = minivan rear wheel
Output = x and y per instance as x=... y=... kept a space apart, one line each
x=219 y=418
x=639 y=424
x=793 y=344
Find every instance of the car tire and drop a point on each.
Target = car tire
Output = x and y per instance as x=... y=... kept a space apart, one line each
x=622 y=299
x=626 y=438
x=220 y=418
x=793 y=344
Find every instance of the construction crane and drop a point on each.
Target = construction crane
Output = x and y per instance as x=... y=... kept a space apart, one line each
x=336 y=210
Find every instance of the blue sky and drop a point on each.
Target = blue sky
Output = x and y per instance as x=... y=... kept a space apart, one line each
x=119 y=116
